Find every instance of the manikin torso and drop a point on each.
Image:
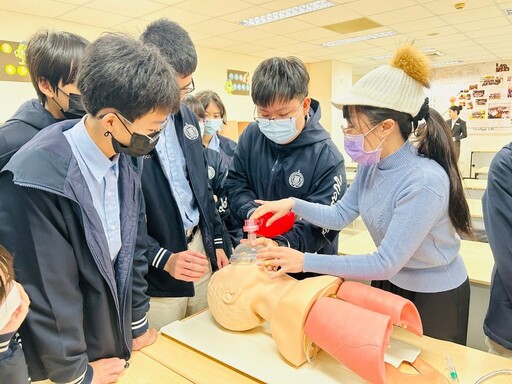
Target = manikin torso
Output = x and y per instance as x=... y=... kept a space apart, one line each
x=242 y=296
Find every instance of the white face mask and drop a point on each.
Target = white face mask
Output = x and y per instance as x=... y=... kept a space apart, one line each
x=212 y=126
x=9 y=306
x=280 y=131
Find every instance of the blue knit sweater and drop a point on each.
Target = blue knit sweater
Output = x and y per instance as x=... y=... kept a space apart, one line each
x=403 y=201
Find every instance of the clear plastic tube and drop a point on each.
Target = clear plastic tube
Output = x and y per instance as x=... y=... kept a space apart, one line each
x=494 y=373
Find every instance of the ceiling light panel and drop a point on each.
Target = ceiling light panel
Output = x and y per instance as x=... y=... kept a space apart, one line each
x=358 y=39
x=287 y=13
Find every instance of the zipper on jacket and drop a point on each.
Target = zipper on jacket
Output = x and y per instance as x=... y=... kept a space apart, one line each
x=271 y=179
x=56 y=192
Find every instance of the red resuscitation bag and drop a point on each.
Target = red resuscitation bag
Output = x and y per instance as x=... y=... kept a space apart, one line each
x=280 y=226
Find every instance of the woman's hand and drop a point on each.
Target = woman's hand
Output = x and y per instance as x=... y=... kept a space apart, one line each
x=278 y=207
x=287 y=259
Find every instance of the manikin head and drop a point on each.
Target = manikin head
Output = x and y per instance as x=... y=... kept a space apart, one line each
x=240 y=295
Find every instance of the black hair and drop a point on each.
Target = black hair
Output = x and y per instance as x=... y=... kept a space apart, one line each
x=435 y=142
x=195 y=105
x=54 y=56
x=120 y=72
x=456 y=108
x=279 y=79
x=6 y=272
x=205 y=97
x=174 y=43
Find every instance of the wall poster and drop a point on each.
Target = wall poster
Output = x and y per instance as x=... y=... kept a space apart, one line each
x=13 y=66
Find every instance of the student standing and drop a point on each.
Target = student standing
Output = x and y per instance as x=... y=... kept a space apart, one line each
x=410 y=199
x=286 y=152
x=14 y=304
x=184 y=227
x=215 y=118
x=71 y=212
x=497 y=208
x=52 y=59
x=217 y=171
x=458 y=127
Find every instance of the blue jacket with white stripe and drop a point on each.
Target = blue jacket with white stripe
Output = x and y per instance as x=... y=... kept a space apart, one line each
x=165 y=226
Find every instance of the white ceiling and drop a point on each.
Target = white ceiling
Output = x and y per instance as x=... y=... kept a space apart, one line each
x=478 y=33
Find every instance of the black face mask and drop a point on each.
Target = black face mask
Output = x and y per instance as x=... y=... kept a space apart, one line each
x=140 y=145
x=76 y=109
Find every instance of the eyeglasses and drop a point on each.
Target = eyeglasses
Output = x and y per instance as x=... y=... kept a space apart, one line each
x=189 y=88
x=151 y=137
x=263 y=122
x=348 y=129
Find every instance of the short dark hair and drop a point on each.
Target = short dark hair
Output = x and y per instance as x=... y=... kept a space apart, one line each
x=205 y=97
x=54 y=56
x=195 y=105
x=120 y=72
x=6 y=272
x=279 y=79
x=174 y=43
x=456 y=108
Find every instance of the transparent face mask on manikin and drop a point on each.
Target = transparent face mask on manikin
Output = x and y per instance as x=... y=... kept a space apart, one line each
x=9 y=306
x=354 y=146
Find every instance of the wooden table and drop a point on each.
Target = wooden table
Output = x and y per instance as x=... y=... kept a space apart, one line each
x=474 y=188
x=193 y=365
x=475 y=208
x=471 y=364
x=144 y=370
x=481 y=171
x=350 y=177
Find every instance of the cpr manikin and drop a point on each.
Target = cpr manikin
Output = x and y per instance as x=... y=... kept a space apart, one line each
x=350 y=321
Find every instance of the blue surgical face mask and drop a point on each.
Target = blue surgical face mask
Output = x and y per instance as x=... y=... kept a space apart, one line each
x=212 y=126
x=280 y=131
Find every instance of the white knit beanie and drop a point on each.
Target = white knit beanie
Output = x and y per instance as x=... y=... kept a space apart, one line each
x=398 y=86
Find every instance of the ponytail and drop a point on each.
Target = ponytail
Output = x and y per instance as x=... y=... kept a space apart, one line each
x=435 y=142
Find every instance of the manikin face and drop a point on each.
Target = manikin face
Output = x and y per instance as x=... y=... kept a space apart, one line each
x=233 y=294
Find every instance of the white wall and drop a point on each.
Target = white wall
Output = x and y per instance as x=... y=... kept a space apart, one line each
x=482 y=134
x=329 y=79
x=210 y=74
x=19 y=27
